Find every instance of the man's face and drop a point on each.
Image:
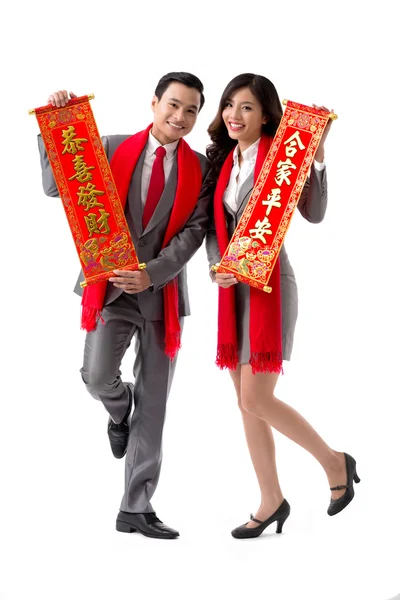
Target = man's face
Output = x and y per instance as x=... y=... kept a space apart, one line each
x=175 y=113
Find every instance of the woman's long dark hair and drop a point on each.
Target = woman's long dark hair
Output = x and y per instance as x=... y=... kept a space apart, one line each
x=264 y=90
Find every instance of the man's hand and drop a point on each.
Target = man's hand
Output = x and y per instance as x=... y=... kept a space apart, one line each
x=320 y=153
x=60 y=98
x=132 y=282
x=225 y=280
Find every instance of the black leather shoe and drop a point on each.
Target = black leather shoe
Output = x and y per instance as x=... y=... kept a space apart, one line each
x=118 y=433
x=337 y=505
x=280 y=515
x=146 y=523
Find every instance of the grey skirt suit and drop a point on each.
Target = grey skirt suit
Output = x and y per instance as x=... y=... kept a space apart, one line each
x=312 y=206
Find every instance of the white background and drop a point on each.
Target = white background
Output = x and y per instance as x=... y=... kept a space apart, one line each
x=61 y=487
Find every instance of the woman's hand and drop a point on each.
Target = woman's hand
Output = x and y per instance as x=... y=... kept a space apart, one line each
x=320 y=153
x=60 y=98
x=225 y=280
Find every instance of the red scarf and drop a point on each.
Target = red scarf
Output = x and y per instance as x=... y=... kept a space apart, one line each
x=265 y=309
x=188 y=189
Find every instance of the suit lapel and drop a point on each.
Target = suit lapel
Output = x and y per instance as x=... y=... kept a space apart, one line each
x=167 y=199
x=244 y=192
x=243 y=197
x=228 y=208
x=135 y=197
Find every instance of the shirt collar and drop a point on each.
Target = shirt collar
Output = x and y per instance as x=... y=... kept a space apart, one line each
x=153 y=144
x=250 y=154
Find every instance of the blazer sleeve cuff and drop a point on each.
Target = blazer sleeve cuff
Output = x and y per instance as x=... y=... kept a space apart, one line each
x=319 y=166
x=157 y=276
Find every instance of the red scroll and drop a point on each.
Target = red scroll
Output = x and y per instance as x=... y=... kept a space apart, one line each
x=257 y=240
x=87 y=189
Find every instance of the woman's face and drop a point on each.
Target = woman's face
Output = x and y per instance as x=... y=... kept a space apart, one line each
x=243 y=117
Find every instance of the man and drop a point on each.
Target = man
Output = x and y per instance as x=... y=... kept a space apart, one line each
x=167 y=200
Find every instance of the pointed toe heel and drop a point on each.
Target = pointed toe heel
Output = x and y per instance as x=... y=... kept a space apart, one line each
x=280 y=524
x=339 y=504
x=280 y=516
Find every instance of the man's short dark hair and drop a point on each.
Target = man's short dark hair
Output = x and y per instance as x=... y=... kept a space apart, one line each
x=187 y=79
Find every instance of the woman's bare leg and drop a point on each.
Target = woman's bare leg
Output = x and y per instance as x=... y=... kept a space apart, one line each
x=260 y=442
x=257 y=398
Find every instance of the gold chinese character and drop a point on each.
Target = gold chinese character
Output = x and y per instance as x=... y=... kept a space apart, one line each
x=294 y=141
x=283 y=171
x=82 y=170
x=87 y=196
x=91 y=224
x=96 y=225
x=262 y=228
x=103 y=221
x=72 y=144
x=273 y=200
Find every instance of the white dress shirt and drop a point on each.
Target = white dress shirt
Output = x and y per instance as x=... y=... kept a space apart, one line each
x=239 y=174
x=149 y=159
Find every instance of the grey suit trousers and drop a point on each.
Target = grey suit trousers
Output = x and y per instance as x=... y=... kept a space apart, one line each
x=153 y=371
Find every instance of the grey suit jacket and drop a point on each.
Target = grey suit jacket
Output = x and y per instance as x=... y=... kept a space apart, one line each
x=312 y=205
x=165 y=264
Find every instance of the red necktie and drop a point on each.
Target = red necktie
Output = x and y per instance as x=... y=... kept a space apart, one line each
x=156 y=186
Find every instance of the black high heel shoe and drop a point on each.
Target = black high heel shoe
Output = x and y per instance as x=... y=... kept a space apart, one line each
x=280 y=515
x=340 y=503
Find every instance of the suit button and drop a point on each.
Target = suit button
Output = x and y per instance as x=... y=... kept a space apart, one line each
x=141 y=243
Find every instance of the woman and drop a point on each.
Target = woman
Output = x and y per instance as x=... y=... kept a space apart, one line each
x=248 y=117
